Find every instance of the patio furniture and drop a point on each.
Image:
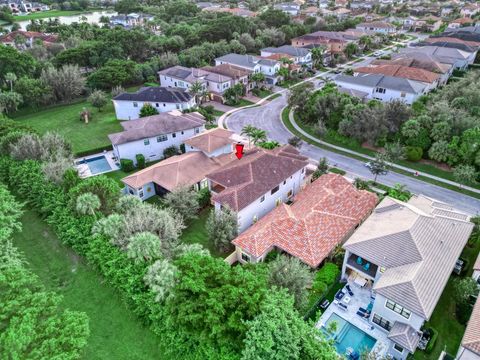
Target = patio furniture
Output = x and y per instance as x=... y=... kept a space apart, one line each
x=347 y=299
x=370 y=307
x=324 y=304
x=339 y=295
x=349 y=290
x=342 y=306
x=366 y=267
x=359 y=260
x=360 y=281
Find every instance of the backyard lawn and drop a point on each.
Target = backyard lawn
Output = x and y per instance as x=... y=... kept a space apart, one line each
x=65 y=119
x=115 y=333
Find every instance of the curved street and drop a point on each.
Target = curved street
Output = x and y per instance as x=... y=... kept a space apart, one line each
x=268 y=117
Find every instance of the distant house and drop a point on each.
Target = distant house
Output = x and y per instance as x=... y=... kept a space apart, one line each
x=470 y=10
x=235 y=11
x=289 y=8
x=476 y=270
x=25 y=39
x=189 y=169
x=130 y=20
x=461 y=22
x=151 y=135
x=254 y=64
x=457 y=58
x=311 y=11
x=300 y=56
x=377 y=27
x=334 y=42
x=261 y=180
x=405 y=253
x=470 y=346
x=321 y=217
x=382 y=87
x=237 y=75
x=405 y=72
x=128 y=105
x=428 y=23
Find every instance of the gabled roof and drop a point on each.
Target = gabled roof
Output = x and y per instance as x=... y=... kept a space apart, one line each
x=184 y=73
x=211 y=140
x=156 y=94
x=258 y=172
x=180 y=170
x=151 y=126
x=10 y=37
x=377 y=24
x=449 y=44
x=471 y=337
x=417 y=243
x=404 y=335
x=247 y=61
x=417 y=60
x=450 y=39
x=383 y=81
x=321 y=217
x=405 y=72
x=443 y=54
x=287 y=49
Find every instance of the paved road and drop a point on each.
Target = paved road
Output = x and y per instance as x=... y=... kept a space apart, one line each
x=267 y=117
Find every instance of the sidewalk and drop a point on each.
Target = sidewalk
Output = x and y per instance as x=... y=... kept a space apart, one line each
x=396 y=166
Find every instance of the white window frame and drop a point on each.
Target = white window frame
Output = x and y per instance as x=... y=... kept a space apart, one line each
x=396 y=346
x=262 y=199
x=398 y=309
x=146 y=142
x=162 y=138
x=247 y=258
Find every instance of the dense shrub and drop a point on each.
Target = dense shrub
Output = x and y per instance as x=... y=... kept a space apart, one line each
x=413 y=153
x=140 y=161
x=126 y=165
x=170 y=151
x=432 y=341
x=324 y=278
x=204 y=197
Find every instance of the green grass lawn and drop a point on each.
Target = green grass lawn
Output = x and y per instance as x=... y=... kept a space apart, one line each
x=115 y=332
x=262 y=93
x=65 y=120
x=450 y=331
x=48 y=14
x=243 y=102
x=197 y=233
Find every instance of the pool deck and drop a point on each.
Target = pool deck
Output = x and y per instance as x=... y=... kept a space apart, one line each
x=361 y=298
x=84 y=170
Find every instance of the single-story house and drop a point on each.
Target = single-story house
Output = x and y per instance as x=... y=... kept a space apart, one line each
x=258 y=182
x=151 y=135
x=320 y=217
x=383 y=87
x=405 y=253
x=128 y=105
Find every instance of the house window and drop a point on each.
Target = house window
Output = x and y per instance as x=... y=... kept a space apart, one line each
x=380 y=321
x=146 y=142
x=262 y=199
x=255 y=219
x=176 y=105
x=140 y=192
x=197 y=130
x=284 y=182
x=157 y=104
x=380 y=90
x=398 y=348
x=131 y=191
x=290 y=193
x=402 y=94
x=162 y=138
x=275 y=189
x=245 y=257
x=174 y=135
x=303 y=170
x=135 y=104
x=398 y=309
x=182 y=132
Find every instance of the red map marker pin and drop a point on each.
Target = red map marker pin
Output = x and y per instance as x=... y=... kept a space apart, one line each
x=239 y=150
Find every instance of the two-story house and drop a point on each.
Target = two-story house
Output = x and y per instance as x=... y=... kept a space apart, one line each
x=128 y=105
x=300 y=56
x=151 y=135
x=258 y=182
x=459 y=59
x=405 y=253
x=377 y=27
x=318 y=219
x=254 y=64
x=382 y=87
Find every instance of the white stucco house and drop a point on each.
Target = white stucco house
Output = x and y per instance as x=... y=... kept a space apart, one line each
x=457 y=58
x=405 y=253
x=377 y=27
x=382 y=87
x=254 y=64
x=151 y=135
x=128 y=105
x=300 y=56
x=470 y=346
x=257 y=183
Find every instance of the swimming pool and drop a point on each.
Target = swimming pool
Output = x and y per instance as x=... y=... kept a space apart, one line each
x=97 y=165
x=348 y=336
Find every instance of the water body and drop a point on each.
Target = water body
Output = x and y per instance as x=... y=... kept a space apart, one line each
x=91 y=18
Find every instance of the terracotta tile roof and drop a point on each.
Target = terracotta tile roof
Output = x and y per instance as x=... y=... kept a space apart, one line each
x=179 y=170
x=400 y=71
x=463 y=21
x=258 y=172
x=211 y=140
x=322 y=216
x=471 y=338
x=10 y=37
x=422 y=62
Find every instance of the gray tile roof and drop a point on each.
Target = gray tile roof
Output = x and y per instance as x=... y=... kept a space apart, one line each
x=384 y=81
x=151 y=126
x=287 y=49
x=404 y=335
x=443 y=54
x=247 y=61
x=156 y=94
x=417 y=247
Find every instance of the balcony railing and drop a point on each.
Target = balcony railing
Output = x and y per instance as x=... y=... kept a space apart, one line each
x=358 y=263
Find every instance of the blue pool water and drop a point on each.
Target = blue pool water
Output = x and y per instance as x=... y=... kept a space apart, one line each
x=349 y=336
x=97 y=164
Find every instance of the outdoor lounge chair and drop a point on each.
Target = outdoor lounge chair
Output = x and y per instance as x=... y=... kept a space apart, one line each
x=324 y=304
x=366 y=266
x=359 y=260
x=349 y=290
x=339 y=295
x=342 y=306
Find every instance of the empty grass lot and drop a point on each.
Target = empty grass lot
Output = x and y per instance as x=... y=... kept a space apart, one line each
x=65 y=119
x=115 y=333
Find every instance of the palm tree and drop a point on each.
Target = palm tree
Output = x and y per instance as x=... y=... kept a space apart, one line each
x=204 y=95
x=350 y=50
x=248 y=130
x=144 y=246
x=87 y=204
x=317 y=56
x=258 y=78
x=258 y=135
x=284 y=73
x=10 y=78
x=196 y=89
x=366 y=42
